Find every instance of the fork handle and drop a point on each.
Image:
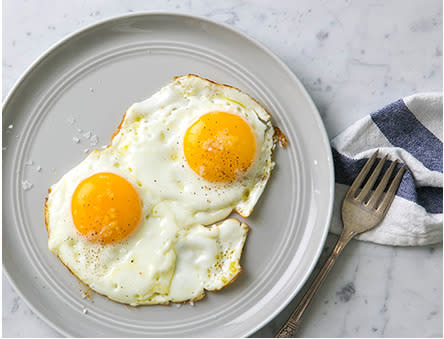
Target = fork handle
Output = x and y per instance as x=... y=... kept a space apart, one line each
x=292 y=324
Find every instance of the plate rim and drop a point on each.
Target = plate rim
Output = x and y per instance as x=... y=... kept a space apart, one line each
x=325 y=141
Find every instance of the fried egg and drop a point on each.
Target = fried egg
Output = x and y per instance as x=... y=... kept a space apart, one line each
x=143 y=221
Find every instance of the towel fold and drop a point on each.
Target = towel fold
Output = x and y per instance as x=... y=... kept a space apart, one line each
x=410 y=130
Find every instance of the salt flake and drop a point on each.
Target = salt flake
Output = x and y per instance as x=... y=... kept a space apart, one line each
x=26 y=185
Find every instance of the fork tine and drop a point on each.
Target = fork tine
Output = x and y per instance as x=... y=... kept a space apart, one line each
x=382 y=185
x=371 y=181
x=387 y=201
x=361 y=176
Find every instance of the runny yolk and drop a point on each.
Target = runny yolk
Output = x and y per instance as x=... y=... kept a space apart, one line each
x=105 y=208
x=220 y=146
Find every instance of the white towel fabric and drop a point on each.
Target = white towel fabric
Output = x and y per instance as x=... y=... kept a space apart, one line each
x=410 y=130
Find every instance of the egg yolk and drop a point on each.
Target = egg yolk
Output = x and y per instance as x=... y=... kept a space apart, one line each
x=220 y=146
x=105 y=208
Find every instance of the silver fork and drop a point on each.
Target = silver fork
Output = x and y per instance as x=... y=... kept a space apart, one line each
x=361 y=211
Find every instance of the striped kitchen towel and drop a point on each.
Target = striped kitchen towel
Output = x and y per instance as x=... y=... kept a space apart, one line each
x=409 y=129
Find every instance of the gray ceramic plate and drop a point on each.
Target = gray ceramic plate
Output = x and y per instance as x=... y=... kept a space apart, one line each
x=93 y=76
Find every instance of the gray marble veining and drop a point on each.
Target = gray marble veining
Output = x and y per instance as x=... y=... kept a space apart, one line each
x=353 y=57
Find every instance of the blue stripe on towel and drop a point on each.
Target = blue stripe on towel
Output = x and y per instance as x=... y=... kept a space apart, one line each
x=346 y=170
x=402 y=129
x=431 y=197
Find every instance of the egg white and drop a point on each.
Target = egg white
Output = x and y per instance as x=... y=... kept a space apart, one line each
x=171 y=256
x=151 y=141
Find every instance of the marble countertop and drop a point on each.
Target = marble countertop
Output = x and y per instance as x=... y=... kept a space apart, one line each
x=353 y=58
